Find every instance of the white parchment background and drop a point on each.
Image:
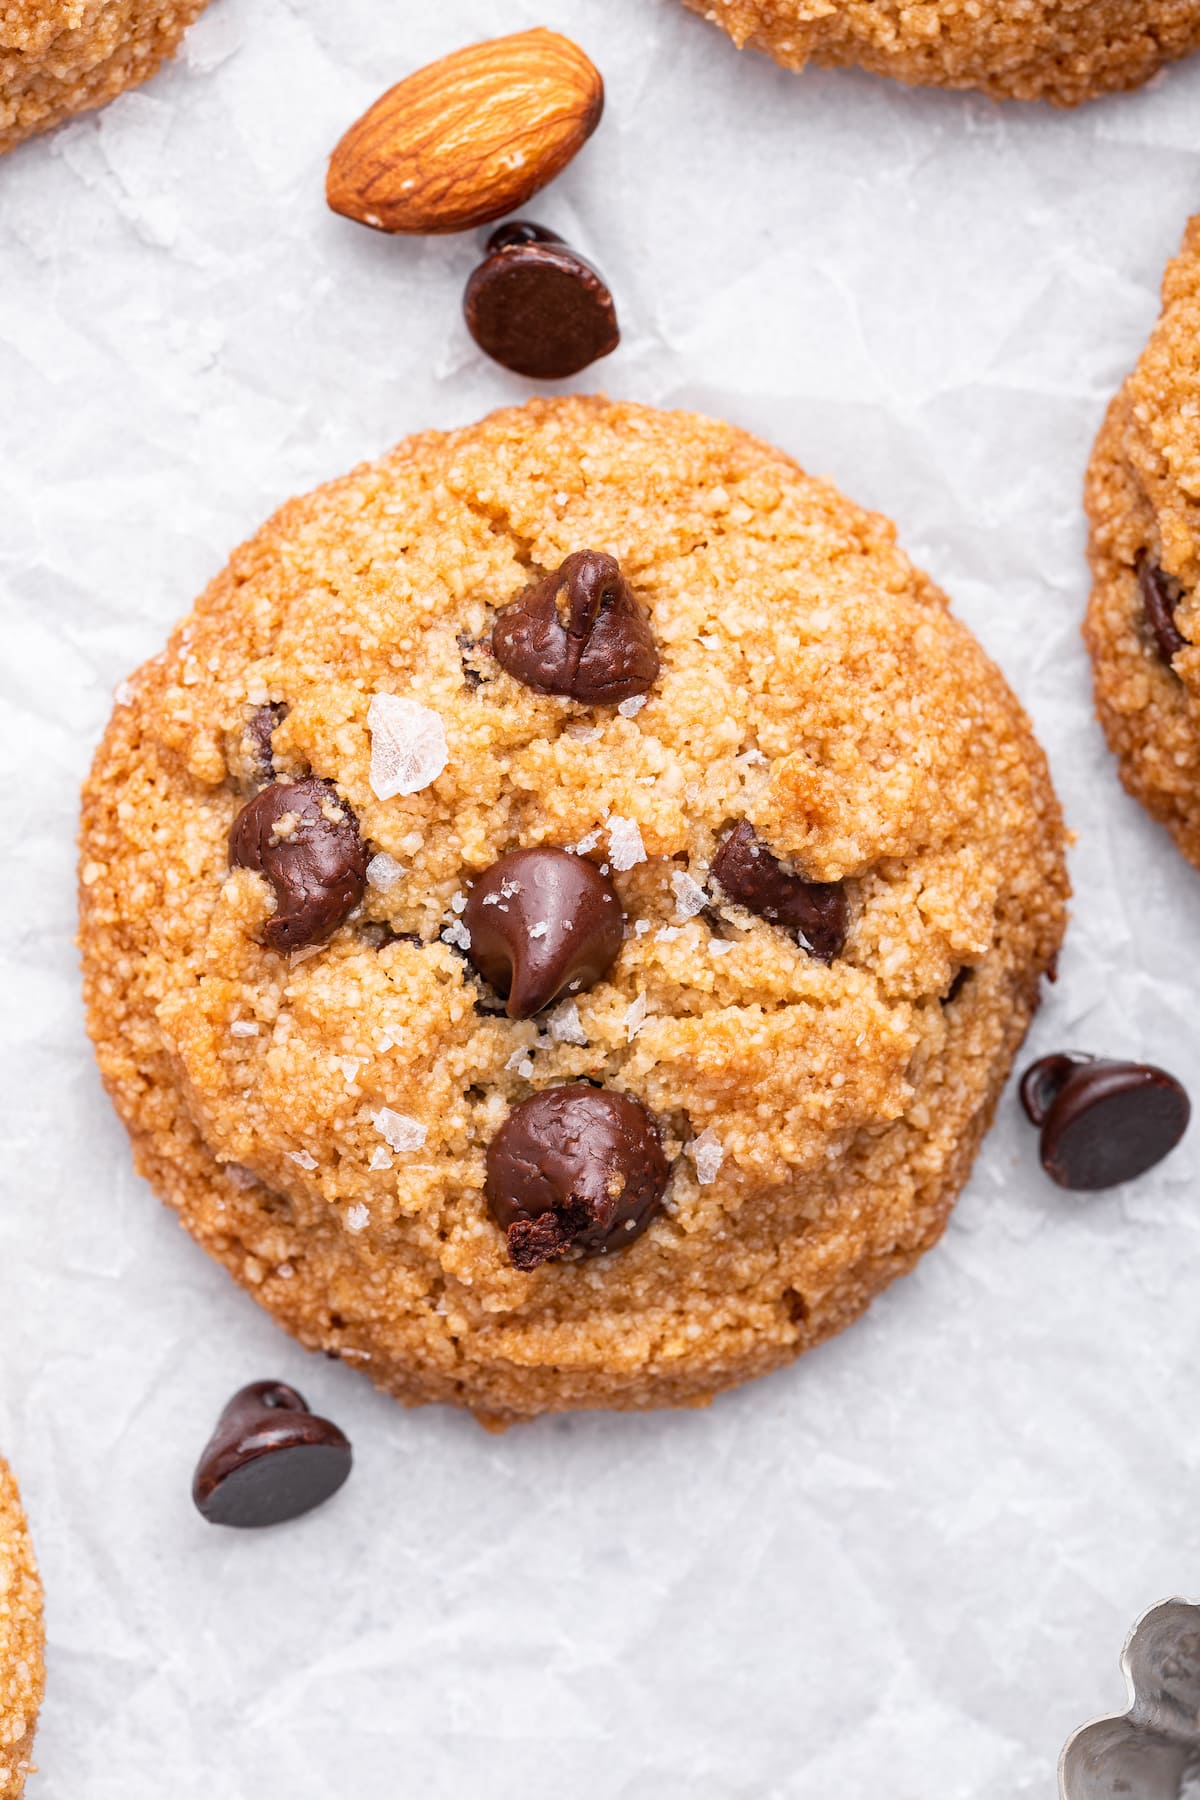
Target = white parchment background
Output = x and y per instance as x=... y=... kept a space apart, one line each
x=903 y=1568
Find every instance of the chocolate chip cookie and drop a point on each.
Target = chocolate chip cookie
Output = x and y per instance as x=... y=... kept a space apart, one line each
x=1059 y=50
x=1143 y=623
x=558 y=915
x=59 y=57
x=21 y=1670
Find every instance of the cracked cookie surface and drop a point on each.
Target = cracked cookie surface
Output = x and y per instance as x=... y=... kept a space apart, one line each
x=1065 y=51
x=21 y=1672
x=59 y=57
x=321 y=1120
x=1143 y=622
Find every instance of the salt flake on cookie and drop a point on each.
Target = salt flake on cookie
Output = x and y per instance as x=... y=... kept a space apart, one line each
x=408 y=745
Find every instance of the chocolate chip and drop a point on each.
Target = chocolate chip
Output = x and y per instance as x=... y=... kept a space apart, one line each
x=537 y=307
x=269 y=1459
x=249 y=752
x=542 y=921
x=470 y=652
x=747 y=873
x=580 y=632
x=520 y=231
x=574 y=1167
x=1102 y=1122
x=305 y=840
x=1160 y=598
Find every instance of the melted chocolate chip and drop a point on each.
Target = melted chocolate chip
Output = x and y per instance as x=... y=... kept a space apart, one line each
x=470 y=651
x=520 y=231
x=1160 y=598
x=249 y=752
x=580 y=632
x=305 y=840
x=1102 y=1122
x=574 y=1167
x=747 y=873
x=269 y=1459
x=537 y=307
x=542 y=921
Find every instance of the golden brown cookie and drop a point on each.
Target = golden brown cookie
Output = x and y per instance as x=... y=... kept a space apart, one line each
x=823 y=815
x=59 y=57
x=21 y=1670
x=1060 y=50
x=1143 y=623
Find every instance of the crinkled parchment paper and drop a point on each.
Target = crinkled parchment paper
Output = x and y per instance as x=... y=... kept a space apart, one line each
x=902 y=1568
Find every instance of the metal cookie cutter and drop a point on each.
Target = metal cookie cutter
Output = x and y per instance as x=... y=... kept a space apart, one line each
x=1152 y=1752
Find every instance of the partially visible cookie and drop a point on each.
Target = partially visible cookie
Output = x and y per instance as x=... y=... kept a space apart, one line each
x=558 y=916
x=21 y=1671
x=1143 y=623
x=59 y=57
x=1059 y=50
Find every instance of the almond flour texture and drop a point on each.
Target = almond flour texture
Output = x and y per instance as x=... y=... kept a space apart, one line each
x=59 y=57
x=319 y=1120
x=1059 y=50
x=21 y=1672
x=1143 y=500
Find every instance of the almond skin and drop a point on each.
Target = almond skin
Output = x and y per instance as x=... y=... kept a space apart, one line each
x=469 y=138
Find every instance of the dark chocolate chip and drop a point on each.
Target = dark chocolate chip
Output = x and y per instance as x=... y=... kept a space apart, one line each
x=269 y=1459
x=470 y=652
x=581 y=632
x=520 y=231
x=574 y=1167
x=542 y=921
x=249 y=750
x=537 y=307
x=1102 y=1122
x=796 y=1305
x=1160 y=598
x=260 y=730
x=304 y=838
x=747 y=873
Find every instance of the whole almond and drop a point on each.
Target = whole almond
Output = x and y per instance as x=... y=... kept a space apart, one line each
x=469 y=138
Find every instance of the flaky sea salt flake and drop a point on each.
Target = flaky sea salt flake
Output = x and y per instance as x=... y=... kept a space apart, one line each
x=302 y=1159
x=408 y=745
x=635 y=1017
x=690 y=897
x=401 y=1132
x=625 y=846
x=380 y=1158
x=565 y=1025
x=356 y=1218
x=708 y=1153
x=629 y=709
x=383 y=871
